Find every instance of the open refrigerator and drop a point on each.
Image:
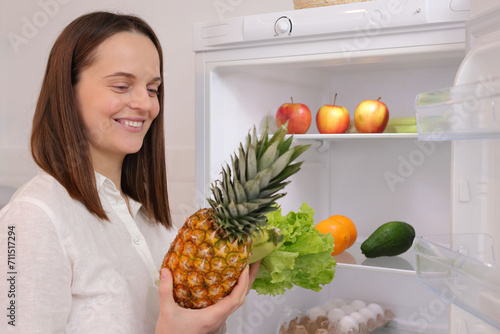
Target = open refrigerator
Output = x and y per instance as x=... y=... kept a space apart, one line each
x=436 y=60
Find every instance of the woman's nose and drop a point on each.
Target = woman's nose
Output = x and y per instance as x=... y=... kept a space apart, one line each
x=140 y=99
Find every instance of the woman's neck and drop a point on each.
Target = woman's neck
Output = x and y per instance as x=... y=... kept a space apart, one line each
x=112 y=174
x=109 y=167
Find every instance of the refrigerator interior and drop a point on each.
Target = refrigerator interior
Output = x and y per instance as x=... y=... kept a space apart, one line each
x=372 y=179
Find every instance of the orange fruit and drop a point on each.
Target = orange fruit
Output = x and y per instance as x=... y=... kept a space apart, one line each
x=339 y=232
x=353 y=232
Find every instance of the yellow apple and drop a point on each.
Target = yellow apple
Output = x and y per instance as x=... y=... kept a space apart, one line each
x=332 y=118
x=371 y=116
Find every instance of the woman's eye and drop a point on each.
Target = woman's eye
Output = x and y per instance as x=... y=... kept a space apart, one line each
x=153 y=92
x=120 y=88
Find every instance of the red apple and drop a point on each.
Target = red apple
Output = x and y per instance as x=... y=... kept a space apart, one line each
x=371 y=116
x=332 y=118
x=298 y=116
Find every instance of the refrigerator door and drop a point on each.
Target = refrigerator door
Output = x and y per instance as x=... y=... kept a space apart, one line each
x=468 y=114
x=476 y=165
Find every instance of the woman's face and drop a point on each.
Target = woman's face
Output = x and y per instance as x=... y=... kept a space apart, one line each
x=117 y=96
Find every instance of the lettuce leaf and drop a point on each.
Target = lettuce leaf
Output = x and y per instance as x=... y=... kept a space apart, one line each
x=304 y=259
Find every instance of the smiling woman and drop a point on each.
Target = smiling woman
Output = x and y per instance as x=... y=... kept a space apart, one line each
x=82 y=53
x=117 y=109
x=94 y=224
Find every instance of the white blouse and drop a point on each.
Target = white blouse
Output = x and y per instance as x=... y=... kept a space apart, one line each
x=69 y=272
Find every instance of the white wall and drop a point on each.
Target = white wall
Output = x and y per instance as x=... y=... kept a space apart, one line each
x=28 y=29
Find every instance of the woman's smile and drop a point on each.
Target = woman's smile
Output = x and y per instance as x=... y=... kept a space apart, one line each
x=130 y=124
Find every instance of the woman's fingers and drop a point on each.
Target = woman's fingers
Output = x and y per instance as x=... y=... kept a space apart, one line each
x=208 y=319
x=164 y=324
x=243 y=286
x=236 y=298
x=165 y=289
x=254 y=270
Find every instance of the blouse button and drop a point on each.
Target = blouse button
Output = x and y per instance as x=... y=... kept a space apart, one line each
x=137 y=240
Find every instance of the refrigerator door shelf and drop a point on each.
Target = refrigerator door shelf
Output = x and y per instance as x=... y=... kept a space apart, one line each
x=468 y=111
x=462 y=270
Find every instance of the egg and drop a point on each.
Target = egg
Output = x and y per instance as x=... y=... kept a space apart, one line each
x=367 y=313
x=335 y=314
x=329 y=305
x=377 y=309
x=338 y=301
x=347 y=308
x=348 y=323
x=358 y=304
x=359 y=318
x=315 y=312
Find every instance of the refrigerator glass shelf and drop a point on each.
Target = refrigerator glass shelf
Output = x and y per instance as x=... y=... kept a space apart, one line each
x=353 y=136
x=469 y=111
x=326 y=139
x=461 y=269
x=352 y=257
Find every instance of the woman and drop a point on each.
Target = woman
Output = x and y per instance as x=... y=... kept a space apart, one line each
x=91 y=229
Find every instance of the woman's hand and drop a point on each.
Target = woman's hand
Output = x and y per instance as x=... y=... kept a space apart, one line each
x=176 y=319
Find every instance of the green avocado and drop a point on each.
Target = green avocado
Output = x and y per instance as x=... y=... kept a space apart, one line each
x=390 y=239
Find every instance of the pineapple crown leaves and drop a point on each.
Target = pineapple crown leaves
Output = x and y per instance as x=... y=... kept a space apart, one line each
x=250 y=186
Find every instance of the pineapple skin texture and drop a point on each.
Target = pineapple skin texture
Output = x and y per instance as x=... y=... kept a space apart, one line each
x=205 y=264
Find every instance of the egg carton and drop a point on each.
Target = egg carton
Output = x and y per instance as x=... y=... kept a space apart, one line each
x=339 y=317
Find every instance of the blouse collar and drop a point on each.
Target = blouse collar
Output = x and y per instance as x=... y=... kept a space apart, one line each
x=104 y=184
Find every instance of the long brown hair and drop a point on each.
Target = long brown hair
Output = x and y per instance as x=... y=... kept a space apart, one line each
x=58 y=142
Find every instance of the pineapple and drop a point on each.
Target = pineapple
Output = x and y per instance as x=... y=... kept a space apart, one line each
x=214 y=245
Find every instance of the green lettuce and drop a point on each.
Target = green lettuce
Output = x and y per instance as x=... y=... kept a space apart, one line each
x=303 y=257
